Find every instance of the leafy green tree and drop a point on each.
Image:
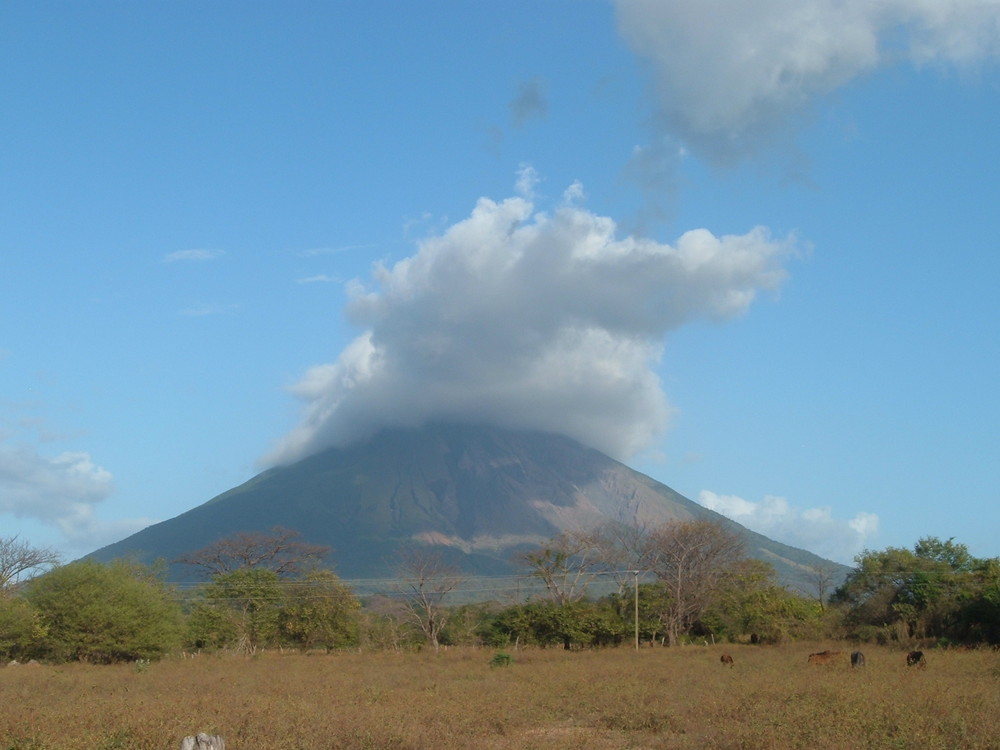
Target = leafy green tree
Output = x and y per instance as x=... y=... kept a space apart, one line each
x=951 y=555
x=752 y=603
x=937 y=590
x=104 y=613
x=242 y=608
x=211 y=624
x=653 y=600
x=599 y=624
x=547 y=623
x=20 y=628
x=979 y=613
x=877 y=593
x=319 y=611
x=510 y=626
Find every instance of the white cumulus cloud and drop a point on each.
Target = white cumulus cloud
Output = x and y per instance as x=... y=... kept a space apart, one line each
x=50 y=489
x=528 y=319
x=730 y=76
x=814 y=529
x=63 y=492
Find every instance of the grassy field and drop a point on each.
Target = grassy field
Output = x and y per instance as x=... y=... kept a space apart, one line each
x=617 y=698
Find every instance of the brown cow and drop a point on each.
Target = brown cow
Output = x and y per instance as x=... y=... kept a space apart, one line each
x=824 y=657
x=916 y=659
x=726 y=659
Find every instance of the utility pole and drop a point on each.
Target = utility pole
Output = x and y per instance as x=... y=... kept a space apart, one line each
x=635 y=573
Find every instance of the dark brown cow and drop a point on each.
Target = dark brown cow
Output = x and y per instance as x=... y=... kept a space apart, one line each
x=916 y=659
x=824 y=657
x=857 y=659
x=726 y=659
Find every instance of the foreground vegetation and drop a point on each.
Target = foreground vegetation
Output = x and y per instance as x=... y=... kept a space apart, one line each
x=544 y=698
x=273 y=650
x=677 y=584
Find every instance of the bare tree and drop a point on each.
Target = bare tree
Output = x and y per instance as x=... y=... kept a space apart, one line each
x=279 y=550
x=425 y=582
x=566 y=565
x=623 y=551
x=693 y=560
x=823 y=579
x=18 y=558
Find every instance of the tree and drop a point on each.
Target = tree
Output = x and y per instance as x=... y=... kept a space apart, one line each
x=470 y=623
x=19 y=628
x=280 y=550
x=243 y=606
x=386 y=624
x=693 y=561
x=104 y=613
x=319 y=610
x=979 y=613
x=425 y=582
x=546 y=623
x=566 y=565
x=823 y=577
x=18 y=558
x=901 y=594
x=622 y=550
x=752 y=603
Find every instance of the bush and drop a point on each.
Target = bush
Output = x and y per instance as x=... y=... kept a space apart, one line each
x=104 y=613
x=501 y=659
x=19 y=628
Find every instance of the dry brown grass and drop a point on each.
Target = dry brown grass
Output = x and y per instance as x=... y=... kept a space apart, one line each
x=657 y=698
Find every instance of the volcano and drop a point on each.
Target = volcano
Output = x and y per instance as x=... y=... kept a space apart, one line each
x=480 y=495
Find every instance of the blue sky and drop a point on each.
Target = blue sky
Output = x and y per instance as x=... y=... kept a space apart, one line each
x=749 y=248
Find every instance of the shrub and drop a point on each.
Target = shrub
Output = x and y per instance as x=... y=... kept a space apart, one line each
x=501 y=659
x=104 y=613
x=19 y=628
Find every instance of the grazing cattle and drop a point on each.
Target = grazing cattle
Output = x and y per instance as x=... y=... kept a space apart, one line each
x=726 y=659
x=824 y=657
x=857 y=659
x=916 y=659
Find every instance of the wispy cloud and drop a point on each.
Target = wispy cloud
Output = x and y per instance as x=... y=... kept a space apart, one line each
x=315 y=252
x=192 y=255
x=540 y=320
x=319 y=279
x=814 y=529
x=530 y=101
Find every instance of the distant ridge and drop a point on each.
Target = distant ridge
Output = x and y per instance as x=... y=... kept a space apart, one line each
x=479 y=494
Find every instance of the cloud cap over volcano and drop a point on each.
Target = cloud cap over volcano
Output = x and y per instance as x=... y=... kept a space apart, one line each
x=530 y=320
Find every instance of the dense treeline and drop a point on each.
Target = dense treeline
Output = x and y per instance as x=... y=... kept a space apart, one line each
x=935 y=591
x=676 y=583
